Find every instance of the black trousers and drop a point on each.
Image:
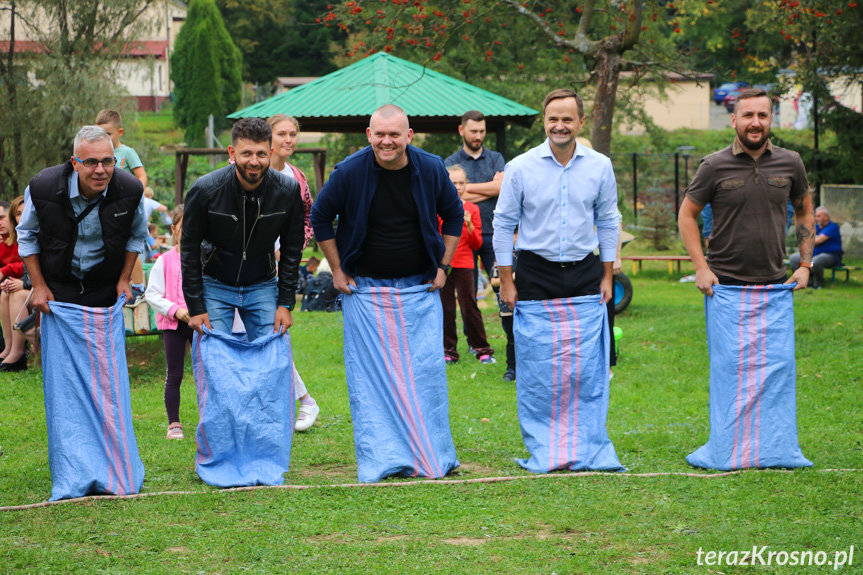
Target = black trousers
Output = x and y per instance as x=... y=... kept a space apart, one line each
x=537 y=278
x=90 y=296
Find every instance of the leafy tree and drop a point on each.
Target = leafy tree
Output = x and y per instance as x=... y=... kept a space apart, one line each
x=65 y=73
x=280 y=37
x=595 y=41
x=734 y=39
x=206 y=68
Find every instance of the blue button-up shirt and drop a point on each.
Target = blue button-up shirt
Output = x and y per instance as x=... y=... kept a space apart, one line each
x=556 y=207
x=89 y=249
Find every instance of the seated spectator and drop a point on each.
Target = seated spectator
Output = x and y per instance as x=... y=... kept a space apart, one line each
x=150 y=249
x=828 y=248
x=320 y=293
x=14 y=295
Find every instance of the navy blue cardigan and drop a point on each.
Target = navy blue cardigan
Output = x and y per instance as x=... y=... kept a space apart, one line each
x=349 y=191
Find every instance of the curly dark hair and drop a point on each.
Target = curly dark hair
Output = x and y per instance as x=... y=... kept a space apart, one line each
x=253 y=129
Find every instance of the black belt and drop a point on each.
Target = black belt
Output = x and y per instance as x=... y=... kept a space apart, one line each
x=550 y=262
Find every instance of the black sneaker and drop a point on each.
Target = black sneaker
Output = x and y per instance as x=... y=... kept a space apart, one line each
x=509 y=375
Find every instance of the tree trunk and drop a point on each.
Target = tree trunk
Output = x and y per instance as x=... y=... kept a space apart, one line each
x=607 y=73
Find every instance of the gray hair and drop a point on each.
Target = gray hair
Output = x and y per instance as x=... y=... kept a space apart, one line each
x=822 y=209
x=91 y=134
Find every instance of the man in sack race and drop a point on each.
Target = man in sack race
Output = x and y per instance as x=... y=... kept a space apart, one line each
x=233 y=217
x=562 y=197
x=747 y=296
x=82 y=229
x=389 y=260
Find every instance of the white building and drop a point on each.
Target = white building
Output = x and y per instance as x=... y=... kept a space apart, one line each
x=143 y=69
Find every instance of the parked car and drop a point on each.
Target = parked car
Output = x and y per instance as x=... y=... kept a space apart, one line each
x=723 y=90
x=730 y=99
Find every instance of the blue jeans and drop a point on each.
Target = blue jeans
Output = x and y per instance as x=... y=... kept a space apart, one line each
x=256 y=304
x=398 y=283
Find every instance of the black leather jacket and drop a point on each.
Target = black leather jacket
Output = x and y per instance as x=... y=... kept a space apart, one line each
x=230 y=235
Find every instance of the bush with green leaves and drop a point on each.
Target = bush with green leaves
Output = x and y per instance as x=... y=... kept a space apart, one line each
x=206 y=71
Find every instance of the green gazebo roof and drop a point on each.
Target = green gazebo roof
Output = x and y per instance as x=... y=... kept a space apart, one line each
x=344 y=100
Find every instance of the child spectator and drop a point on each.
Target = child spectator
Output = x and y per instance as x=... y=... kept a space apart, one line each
x=10 y=262
x=151 y=249
x=461 y=280
x=127 y=158
x=15 y=286
x=151 y=205
x=165 y=295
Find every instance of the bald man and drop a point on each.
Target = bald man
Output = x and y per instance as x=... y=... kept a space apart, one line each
x=387 y=198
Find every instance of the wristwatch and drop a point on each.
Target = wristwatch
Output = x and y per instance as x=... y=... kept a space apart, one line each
x=806 y=265
x=445 y=267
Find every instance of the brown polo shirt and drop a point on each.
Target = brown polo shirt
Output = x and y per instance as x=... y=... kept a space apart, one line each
x=749 y=201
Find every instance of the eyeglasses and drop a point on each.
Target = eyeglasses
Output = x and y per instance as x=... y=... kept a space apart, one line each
x=93 y=162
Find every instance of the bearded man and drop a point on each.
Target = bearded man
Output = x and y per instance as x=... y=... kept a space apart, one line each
x=232 y=219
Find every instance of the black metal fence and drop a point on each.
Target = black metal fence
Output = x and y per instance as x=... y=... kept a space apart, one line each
x=646 y=178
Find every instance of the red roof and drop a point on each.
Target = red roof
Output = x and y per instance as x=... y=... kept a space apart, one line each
x=156 y=48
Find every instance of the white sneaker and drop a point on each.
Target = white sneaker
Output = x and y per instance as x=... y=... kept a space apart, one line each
x=306 y=416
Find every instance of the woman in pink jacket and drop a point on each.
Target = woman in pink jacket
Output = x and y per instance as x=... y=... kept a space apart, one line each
x=286 y=133
x=165 y=295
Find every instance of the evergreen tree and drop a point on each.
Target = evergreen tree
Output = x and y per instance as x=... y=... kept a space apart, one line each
x=206 y=68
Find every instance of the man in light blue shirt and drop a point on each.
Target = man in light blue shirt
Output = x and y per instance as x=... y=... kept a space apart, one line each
x=562 y=197
x=555 y=194
x=82 y=227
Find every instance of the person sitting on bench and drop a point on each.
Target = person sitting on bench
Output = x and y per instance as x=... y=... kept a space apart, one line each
x=828 y=248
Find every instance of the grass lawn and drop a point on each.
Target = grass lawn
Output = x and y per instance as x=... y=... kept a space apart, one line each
x=560 y=523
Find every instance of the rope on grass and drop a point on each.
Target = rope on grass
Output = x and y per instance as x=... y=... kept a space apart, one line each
x=421 y=482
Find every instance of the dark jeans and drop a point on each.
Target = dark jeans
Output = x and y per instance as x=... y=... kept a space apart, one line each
x=506 y=322
x=537 y=278
x=461 y=280
x=175 y=355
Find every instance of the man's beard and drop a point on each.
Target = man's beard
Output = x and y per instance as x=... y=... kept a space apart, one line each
x=472 y=146
x=747 y=143
x=255 y=178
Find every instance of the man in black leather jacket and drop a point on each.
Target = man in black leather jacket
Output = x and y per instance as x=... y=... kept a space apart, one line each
x=233 y=217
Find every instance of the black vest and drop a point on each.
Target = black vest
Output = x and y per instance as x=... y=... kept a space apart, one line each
x=58 y=230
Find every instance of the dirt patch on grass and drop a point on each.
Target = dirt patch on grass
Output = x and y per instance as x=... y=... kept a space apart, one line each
x=470 y=470
x=466 y=541
x=345 y=472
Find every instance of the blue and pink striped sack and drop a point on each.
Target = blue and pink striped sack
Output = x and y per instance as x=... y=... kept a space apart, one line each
x=753 y=375
x=562 y=348
x=394 y=362
x=246 y=408
x=91 y=440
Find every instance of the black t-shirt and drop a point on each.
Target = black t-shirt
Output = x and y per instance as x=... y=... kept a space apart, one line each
x=393 y=246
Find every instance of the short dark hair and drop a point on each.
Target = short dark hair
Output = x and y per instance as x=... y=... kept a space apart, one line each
x=752 y=93
x=252 y=129
x=474 y=115
x=561 y=94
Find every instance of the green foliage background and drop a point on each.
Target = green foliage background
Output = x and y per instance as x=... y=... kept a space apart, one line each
x=206 y=68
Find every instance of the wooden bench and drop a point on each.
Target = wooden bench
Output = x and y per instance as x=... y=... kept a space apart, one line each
x=637 y=260
x=846 y=269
